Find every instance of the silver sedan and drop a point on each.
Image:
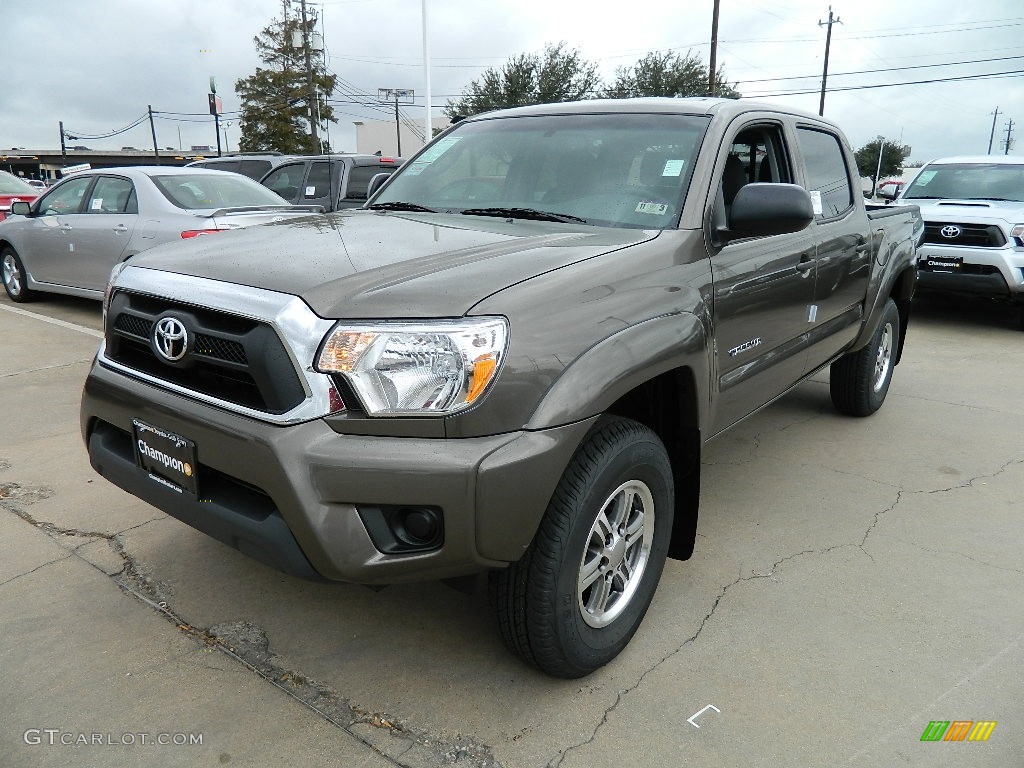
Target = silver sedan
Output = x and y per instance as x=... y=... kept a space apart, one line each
x=70 y=238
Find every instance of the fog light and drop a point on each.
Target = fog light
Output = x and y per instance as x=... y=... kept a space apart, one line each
x=397 y=530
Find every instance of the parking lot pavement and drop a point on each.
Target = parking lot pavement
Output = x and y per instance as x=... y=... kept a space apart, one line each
x=854 y=581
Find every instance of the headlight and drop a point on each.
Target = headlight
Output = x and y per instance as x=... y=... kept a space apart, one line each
x=109 y=290
x=1017 y=231
x=416 y=369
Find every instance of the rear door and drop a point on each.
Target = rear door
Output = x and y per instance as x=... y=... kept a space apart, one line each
x=104 y=228
x=763 y=286
x=357 y=180
x=843 y=252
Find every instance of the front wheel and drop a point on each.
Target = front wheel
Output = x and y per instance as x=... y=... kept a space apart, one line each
x=13 y=274
x=574 y=600
x=859 y=381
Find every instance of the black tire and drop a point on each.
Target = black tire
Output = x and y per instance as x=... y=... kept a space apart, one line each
x=12 y=272
x=859 y=381
x=545 y=614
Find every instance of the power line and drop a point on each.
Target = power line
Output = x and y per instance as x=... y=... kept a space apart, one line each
x=991 y=75
x=875 y=71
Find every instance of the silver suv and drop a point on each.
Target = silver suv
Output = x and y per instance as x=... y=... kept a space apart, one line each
x=973 y=210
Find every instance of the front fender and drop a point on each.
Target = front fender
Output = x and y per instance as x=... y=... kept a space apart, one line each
x=624 y=361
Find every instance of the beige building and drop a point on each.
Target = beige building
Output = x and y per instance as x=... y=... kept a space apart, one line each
x=381 y=135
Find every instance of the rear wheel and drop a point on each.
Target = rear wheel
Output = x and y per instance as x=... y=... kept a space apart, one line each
x=574 y=600
x=13 y=274
x=859 y=381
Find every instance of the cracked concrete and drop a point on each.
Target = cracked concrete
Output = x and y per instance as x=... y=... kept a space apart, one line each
x=852 y=578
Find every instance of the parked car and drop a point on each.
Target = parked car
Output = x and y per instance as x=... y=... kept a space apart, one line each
x=334 y=181
x=255 y=165
x=13 y=190
x=509 y=360
x=973 y=210
x=68 y=240
x=37 y=183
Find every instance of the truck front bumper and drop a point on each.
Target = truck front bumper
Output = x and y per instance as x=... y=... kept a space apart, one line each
x=292 y=496
x=997 y=272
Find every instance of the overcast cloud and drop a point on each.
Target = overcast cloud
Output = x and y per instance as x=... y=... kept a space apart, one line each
x=97 y=64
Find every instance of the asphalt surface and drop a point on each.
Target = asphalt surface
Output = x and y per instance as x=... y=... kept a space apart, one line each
x=854 y=580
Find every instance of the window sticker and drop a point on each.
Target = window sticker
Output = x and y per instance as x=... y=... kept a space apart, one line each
x=925 y=176
x=416 y=169
x=310 y=191
x=657 y=209
x=673 y=168
x=816 y=202
x=96 y=204
x=437 y=150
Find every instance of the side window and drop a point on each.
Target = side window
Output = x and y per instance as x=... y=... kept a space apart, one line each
x=286 y=179
x=254 y=169
x=756 y=154
x=359 y=177
x=826 y=171
x=67 y=198
x=111 y=194
x=318 y=183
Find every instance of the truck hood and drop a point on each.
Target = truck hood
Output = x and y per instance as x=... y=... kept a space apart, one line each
x=367 y=264
x=971 y=211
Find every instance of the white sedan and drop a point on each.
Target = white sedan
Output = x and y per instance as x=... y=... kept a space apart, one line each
x=68 y=240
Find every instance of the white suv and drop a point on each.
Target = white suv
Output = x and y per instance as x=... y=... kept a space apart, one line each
x=973 y=210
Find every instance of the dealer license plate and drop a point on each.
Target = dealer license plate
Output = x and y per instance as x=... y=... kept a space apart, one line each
x=943 y=263
x=169 y=459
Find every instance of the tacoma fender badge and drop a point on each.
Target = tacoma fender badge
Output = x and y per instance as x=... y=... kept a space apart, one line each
x=744 y=346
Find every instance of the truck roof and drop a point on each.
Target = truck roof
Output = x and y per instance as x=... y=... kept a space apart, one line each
x=989 y=159
x=689 y=106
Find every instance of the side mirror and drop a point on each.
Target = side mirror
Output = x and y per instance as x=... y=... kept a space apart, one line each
x=762 y=209
x=20 y=208
x=888 y=194
x=376 y=182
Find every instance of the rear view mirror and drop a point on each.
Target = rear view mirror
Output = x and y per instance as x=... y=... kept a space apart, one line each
x=376 y=183
x=769 y=209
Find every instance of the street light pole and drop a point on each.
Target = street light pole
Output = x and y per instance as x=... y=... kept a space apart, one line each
x=878 y=171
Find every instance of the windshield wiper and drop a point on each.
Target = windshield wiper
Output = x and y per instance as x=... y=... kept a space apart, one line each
x=400 y=206
x=522 y=213
x=924 y=197
x=994 y=199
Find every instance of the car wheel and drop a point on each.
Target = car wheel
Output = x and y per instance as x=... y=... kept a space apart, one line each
x=859 y=381
x=574 y=600
x=13 y=274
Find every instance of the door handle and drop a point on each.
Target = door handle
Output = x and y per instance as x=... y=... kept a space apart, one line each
x=120 y=228
x=861 y=247
x=65 y=227
x=806 y=262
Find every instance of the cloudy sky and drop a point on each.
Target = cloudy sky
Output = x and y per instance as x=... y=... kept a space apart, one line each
x=97 y=64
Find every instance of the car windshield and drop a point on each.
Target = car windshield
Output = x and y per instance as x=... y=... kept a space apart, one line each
x=201 y=191
x=12 y=185
x=618 y=169
x=968 y=181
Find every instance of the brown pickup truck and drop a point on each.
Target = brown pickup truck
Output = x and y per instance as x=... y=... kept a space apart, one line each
x=509 y=359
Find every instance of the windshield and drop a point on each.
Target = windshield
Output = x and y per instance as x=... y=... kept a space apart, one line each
x=12 y=185
x=201 y=191
x=968 y=181
x=621 y=170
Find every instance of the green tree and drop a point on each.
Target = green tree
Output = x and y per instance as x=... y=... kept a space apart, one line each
x=557 y=74
x=668 y=74
x=893 y=155
x=276 y=104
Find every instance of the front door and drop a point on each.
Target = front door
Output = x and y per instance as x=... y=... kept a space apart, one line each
x=763 y=287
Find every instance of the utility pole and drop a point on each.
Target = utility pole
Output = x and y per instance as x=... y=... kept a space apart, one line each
x=152 y=129
x=428 y=121
x=313 y=100
x=878 y=171
x=713 y=63
x=828 y=43
x=63 y=149
x=1009 y=137
x=992 y=135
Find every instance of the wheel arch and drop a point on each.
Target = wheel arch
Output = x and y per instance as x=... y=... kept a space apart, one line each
x=658 y=374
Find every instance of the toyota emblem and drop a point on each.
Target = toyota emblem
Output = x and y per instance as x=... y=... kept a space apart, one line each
x=170 y=339
x=950 y=231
